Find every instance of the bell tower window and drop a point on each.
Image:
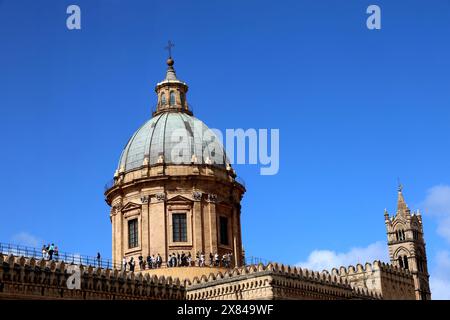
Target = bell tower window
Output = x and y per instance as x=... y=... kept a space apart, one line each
x=400 y=261
x=405 y=262
x=163 y=99
x=172 y=98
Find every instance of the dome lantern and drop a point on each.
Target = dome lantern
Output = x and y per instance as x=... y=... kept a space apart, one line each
x=171 y=92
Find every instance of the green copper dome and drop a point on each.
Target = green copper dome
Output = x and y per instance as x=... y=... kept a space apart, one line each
x=173 y=135
x=172 y=138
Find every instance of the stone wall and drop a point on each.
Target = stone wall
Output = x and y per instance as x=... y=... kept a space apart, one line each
x=151 y=195
x=387 y=280
x=22 y=278
x=274 y=282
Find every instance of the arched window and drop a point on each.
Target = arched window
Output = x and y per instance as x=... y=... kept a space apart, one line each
x=405 y=262
x=182 y=98
x=401 y=235
x=420 y=264
x=163 y=99
x=400 y=261
x=172 y=98
x=396 y=235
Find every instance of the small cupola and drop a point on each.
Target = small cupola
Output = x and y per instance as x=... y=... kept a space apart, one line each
x=171 y=92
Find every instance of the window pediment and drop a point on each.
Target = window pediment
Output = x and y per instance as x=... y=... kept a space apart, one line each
x=179 y=199
x=130 y=206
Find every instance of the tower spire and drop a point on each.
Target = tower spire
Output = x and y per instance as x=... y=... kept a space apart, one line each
x=407 y=245
x=402 y=207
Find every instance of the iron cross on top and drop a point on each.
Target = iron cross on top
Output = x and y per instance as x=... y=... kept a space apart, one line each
x=169 y=47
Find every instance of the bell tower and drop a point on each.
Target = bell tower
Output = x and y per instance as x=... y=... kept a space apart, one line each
x=407 y=245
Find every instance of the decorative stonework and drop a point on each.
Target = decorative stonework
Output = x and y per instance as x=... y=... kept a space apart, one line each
x=274 y=282
x=197 y=196
x=117 y=209
x=160 y=196
x=145 y=199
x=212 y=197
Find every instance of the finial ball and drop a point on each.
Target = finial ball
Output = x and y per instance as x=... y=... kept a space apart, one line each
x=170 y=62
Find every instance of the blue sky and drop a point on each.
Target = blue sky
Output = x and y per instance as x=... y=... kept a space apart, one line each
x=356 y=110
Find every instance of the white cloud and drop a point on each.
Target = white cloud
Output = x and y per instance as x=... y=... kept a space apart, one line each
x=438 y=200
x=26 y=239
x=440 y=277
x=319 y=260
x=437 y=204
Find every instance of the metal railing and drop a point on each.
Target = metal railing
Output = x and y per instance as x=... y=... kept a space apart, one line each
x=86 y=260
x=72 y=258
x=255 y=260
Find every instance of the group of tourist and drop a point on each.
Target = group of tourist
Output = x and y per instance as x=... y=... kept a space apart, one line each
x=151 y=262
x=177 y=259
x=50 y=251
x=215 y=260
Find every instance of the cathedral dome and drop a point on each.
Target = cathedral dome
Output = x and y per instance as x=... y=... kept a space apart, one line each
x=172 y=138
x=174 y=186
x=173 y=135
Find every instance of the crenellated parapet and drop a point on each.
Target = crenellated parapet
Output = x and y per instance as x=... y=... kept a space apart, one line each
x=30 y=278
x=274 y=281
x=370 y=267
x=388 y=280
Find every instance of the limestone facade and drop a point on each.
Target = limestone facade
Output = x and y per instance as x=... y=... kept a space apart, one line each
x=203 y=193
x=390 y=282
x=274 y=282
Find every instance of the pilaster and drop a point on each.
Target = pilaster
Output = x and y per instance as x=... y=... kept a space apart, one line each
x=157 y=223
